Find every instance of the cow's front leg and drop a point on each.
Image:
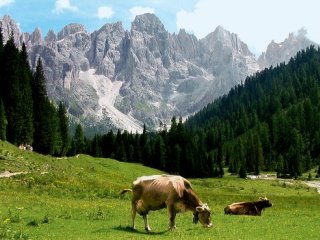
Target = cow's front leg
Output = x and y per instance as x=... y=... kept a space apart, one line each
x=146 y=224
x=172 y=217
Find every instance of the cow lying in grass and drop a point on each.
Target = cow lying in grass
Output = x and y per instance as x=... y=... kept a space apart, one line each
x=166 y=191
x=248 y=208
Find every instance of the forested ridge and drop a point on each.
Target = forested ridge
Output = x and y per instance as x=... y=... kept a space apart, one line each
x=271 y=122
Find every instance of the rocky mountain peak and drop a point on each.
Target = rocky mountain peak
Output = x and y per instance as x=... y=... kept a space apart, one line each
x=105 y=48
x=36 y=37
x=111 y=30
x=283 y=51
x=223 y=38
x=148 y=23
x=188 y=44
x=70 y=29
x=221 y=34
x=51 y=36
x=8 y=27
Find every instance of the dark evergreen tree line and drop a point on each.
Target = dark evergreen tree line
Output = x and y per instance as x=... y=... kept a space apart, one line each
x=175 y=151
x=26 y=115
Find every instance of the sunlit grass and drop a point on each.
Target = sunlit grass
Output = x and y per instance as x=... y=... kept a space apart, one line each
x=78 y=198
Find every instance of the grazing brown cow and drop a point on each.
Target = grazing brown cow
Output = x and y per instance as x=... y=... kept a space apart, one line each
x=166 y=191
x=248 y=208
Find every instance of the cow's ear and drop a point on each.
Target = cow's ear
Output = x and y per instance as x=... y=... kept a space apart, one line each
x=200 y=209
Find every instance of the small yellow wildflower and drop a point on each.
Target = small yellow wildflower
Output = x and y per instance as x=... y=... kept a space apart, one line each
x=6 y=221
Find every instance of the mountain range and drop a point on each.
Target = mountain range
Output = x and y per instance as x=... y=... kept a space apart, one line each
x=114 y=78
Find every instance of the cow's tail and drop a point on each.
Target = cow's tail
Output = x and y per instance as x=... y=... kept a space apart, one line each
x=125 y=191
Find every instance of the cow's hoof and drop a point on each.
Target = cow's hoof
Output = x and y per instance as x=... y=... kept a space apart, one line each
x=148 y=229
x=171 y=228
x=208 y=226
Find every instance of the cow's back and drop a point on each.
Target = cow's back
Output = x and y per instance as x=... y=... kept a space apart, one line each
x=155 y=191
x=242 y=208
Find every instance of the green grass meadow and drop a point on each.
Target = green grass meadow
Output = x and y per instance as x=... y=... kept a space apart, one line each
x=78 y=198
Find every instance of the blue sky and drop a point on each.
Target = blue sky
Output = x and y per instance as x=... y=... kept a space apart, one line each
x=256 y=22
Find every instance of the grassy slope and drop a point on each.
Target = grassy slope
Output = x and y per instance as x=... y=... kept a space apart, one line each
x=77 y=198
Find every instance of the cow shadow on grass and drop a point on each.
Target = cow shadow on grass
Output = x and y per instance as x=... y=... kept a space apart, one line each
x=131 y=230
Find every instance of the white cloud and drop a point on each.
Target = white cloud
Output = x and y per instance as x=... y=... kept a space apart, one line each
x=61 y=5
x=138 y=10
x=5 y=2
x=105 y=12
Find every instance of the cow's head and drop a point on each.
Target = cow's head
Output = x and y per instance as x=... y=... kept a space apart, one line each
x=265 y=202
x=203 y=215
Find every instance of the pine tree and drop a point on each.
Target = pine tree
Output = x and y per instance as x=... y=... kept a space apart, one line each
x=10 y=91
x=42 y=112
x=146 y=154
x=120 y=153
x=258 y=155
x=295 y=153
x=318 y=172
x=26 y=107
x=78 y=143
x=96 y=147
x=158 y=159
x=137 y=149
x=144 y=137
x=107 y=145
x=63 y=129
x=3 y=122
x=242 y=160
x=173 y=124
x=2 y=86
x=242 y=171
x=173 y=166
x=54 y=139
x=220 y=171
x=308 y=161
x=130 y=153
x=250 y=153
x=1 y=40
x=280 y=166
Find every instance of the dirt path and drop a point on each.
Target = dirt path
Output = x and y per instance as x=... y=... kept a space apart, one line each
x=313 y=184
x=7 y=174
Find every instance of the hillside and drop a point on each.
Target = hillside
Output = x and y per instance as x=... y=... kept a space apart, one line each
x=90 y=175
x=78 y=198
x=271 y=122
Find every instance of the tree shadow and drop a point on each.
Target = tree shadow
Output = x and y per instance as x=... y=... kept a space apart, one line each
x=131 y=230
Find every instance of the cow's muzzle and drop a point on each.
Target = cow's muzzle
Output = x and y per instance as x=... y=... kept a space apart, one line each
x=209 y=225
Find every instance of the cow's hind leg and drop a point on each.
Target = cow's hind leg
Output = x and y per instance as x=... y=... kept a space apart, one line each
x=133 y=215
x=146 y=224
